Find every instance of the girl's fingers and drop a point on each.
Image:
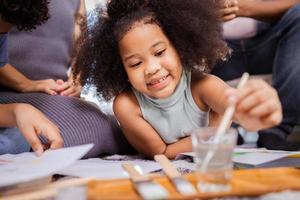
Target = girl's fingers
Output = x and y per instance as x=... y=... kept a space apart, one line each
x=273 y=119
x=251 y=87
x=230 y=97
x=264 y=109
x=250 y=101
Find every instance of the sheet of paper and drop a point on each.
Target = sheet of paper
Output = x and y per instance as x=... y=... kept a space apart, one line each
x=254 y=156
x=27 y=166
x=106 y=169
x=259 y=156
x=111 y=168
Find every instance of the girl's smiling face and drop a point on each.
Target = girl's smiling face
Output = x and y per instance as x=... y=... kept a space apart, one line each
x=151 y=62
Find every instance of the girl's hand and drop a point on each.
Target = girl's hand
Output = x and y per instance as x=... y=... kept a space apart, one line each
x=35 y=125
x=257 y=105
x=229 y=11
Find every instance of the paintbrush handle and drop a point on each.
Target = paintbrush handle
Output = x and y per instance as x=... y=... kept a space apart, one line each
x=225 y=123
x=133 y=173
x=48 y=191
x=167 y=166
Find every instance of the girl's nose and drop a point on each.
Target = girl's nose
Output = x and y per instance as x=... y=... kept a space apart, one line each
x=152 y=68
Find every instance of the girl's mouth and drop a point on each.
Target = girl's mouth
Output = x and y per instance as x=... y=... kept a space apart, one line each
x=159 y=83
x=155 y=81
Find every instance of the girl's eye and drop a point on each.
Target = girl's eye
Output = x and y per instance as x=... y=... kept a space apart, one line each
x=160 y=53
x=135 y=64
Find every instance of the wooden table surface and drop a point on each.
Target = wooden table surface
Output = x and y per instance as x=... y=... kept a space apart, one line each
x=251 y=182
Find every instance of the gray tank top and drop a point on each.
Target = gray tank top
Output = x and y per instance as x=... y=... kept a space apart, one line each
x=175 y=116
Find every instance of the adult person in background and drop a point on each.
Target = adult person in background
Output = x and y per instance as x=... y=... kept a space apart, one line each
x=266 y=40
x=38 y=74
x=25 y=16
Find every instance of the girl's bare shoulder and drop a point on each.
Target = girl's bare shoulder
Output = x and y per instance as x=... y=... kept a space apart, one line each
x=207 y=83
x=208 y=90
x=126 y=103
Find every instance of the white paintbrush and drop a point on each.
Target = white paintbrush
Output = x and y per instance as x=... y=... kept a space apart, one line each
x=225 y=123
x=182 y=185
x=145 y=187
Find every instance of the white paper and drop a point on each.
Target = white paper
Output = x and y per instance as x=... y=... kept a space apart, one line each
x=254 y=156
x=106 y=169
x=112 y=169
x=27 y=166
x=259 y=156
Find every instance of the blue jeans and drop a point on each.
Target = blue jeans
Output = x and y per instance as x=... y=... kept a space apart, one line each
x=276 y=51
x=12 y=141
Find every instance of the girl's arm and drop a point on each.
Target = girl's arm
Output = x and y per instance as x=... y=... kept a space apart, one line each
x=139 y=132
x=257 y=103
x=208 y=92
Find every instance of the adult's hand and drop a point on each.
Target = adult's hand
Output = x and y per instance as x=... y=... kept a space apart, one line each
x=14 y=79
x=35 y=125
x=268 y=11
x=48 y=86
x=229 y=10
x=71 y=87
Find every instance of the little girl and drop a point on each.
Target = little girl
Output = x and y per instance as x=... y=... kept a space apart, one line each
x=153 y=57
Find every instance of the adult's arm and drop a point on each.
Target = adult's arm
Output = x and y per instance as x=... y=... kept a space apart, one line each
x=16 y=115
x=72 y=87
x=14 y=79
x=265 y=10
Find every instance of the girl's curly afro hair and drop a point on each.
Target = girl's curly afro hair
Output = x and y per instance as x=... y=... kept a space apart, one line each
x=24 y=14
x=192 y=26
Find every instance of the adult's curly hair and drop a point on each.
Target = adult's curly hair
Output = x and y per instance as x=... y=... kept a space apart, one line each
x=24 y=14
x=192 y=26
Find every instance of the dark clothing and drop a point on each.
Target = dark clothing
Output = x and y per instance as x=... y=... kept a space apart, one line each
x=3 y=50
x=275 y=51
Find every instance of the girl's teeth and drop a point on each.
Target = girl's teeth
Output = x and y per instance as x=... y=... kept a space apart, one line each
x=158 y=81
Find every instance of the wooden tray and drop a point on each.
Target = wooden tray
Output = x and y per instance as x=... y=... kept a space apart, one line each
x=251 y=182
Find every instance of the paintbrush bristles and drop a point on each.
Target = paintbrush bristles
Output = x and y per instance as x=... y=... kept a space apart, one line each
x=182 y=186
x=145 y=187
